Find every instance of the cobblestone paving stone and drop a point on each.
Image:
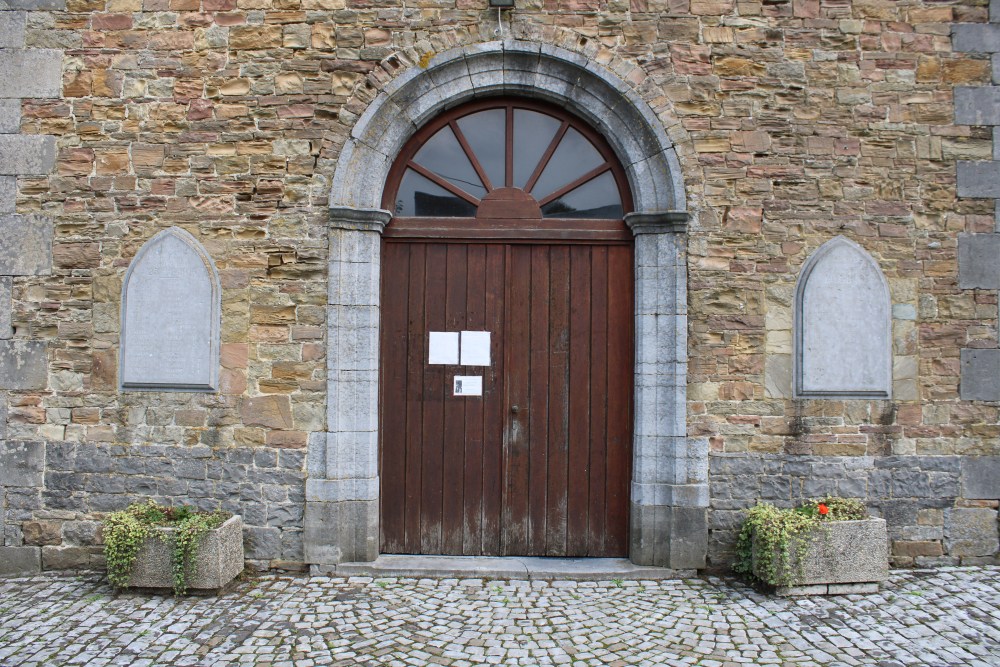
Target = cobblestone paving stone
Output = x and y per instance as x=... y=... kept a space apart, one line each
x=948 y=616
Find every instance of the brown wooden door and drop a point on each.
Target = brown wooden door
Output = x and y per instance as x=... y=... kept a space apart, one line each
x=508 y=218
x=540 y=464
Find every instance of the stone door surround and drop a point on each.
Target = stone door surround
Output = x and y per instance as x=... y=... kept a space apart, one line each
x=669 y=496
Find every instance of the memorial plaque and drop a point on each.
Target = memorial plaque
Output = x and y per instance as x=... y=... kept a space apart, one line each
x=170 y=317
x=843 y=317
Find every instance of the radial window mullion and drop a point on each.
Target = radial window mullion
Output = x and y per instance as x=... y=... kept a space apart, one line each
x=569 y=187
x=471 y=155
x=546 y=156
x=444 y=183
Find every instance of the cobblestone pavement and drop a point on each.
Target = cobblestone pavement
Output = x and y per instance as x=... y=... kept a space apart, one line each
x=944 y=617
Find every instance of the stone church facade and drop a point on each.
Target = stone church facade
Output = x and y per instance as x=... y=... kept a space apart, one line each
x=211 y=263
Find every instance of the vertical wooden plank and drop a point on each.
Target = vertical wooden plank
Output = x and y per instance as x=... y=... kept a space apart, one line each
x=493 y=403
x=453 y=445
x=472 y=510
x=538 y=405
x=555 y=519
x=578 y=389
x=598 y=400
x=392 y=385
x=415 y=367
x=620 y=372
x=435 y=378
x=516 y=346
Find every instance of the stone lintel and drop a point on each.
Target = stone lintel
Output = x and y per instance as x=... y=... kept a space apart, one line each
x=664 y=536
x=342 y=490
x=979 y=179
x=361 y=219
x=22 y=463
x=981 y=477
x=977 y=105
x=980 y=375
x=663 y=222
x=20 y=560
x=979 y=261
x=28 y=73
x=23 y=364
x=976 y=37
x=341 y=532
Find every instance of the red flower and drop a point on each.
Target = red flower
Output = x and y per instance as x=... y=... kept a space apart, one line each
x=823 y=509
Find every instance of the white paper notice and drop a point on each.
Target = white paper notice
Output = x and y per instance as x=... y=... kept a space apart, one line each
x=468 y=385
x=443 y=347
x=475 y=348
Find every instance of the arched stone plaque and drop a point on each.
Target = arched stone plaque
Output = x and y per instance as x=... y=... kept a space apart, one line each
x=843 y=330
x=171 y=306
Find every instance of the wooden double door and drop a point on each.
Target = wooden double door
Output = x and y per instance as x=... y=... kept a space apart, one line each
x=540 y=464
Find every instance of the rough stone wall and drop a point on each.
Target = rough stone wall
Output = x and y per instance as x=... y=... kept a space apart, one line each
x=794 y=120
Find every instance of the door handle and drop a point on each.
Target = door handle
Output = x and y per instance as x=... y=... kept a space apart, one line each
x=514 y=409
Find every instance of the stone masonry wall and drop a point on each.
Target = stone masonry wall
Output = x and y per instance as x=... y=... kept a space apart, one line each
x=932 y=504
x=57 y=492
x=794 y=121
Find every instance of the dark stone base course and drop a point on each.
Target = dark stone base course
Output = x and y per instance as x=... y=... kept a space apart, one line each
x=79 y=483
x=932 y=505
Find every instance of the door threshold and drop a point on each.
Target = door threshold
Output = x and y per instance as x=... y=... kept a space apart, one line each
x=491 y=567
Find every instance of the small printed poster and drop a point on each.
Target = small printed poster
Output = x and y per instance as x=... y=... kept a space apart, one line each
x=475 y=348
x=443 y=348
x=468 y=385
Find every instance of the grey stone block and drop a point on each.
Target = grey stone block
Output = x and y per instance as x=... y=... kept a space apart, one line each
x=33 y=4
x=20 y=560
x=981 y=477
x=218 y=561
x=995 y=11
x=25 y=245
x=26 y=155
x=980 y=375
x=979 y=260
x=8 y=194
x=3 y=424
x=971 y=531
x=23 y=364
x=976 y=37
x=978 y=179
x=664 y=536
x=341 y=532
x=977 y=106
x=21 y=463
x=996 y=69
x=10 y=115
x=5 y=305
x=11 y=30
x=30 y=73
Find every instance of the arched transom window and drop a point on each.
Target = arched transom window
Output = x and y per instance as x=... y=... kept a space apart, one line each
x=513 y=163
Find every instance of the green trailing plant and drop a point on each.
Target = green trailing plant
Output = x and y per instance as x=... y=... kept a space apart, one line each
x=777 y=531
x=125 y=531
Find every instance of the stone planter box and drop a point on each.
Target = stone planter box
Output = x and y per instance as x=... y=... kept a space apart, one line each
x=843 y=557
x=218 y=561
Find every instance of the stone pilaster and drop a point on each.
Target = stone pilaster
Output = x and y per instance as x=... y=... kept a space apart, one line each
x=342 y=489
x=979 y=254
x=669 y=473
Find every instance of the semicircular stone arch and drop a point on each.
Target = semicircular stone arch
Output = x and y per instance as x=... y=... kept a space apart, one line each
x=842 y=322
x=510 y=68
x=669 y=490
